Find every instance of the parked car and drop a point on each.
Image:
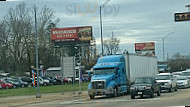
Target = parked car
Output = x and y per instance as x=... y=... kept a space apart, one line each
x=167 y=81
x=51 y=81
x=42 y=81
x=27 y=79
x=67 y=80
x=176 y=73
x=183 y=82
x=145 y=86
x=0 y=86
x=186 y=73
x=6 y=85
x=14 y=83
x=55 y=81
x=85 y=78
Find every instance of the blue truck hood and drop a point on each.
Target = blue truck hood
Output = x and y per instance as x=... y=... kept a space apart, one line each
x=103 y=77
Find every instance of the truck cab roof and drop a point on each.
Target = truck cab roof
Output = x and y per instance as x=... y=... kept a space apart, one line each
x=111 y=58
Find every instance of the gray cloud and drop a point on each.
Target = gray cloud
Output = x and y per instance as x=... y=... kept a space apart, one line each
x=131 y=20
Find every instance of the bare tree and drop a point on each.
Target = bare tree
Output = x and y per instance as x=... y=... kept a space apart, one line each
x=18 y=27
x=111 y=46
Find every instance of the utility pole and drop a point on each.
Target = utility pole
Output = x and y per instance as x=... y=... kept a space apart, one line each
x=102 y=6
x=38 y=95
x=112 y=44
x=188 y=6
x=164 y=44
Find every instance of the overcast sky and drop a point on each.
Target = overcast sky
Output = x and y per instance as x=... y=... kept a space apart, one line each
x=132 y=21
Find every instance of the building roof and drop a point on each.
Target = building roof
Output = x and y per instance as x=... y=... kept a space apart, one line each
x=54 y=69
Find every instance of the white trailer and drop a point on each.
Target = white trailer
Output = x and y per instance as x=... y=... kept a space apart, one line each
x=140 y=66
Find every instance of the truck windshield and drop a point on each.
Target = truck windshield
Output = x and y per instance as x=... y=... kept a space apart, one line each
x=143 y=81
x=104 y=71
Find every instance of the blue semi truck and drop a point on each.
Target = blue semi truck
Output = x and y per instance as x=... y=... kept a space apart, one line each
x=113 y=74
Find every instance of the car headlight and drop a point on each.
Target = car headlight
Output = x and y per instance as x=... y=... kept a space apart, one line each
x=167 y=83
x=185 y=82
x=148 y=87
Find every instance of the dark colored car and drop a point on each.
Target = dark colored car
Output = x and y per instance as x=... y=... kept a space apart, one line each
x=55 y=81
x=27 y=79
x=145 y=86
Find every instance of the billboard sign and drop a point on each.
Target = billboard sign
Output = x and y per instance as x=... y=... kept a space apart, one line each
x=72 y=34
x=144 y=46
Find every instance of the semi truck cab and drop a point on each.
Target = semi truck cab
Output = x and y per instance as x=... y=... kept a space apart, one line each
x=109 y=77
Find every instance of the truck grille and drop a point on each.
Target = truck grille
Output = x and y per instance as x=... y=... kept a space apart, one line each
x=98 y=85
x=141 y=88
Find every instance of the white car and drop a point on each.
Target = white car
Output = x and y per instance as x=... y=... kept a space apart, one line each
x=42 y=81
x=186 y=73
x=183 y=82
x=167 y=81
x=176 y=73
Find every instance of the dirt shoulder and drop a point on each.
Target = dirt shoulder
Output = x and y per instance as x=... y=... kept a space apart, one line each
x=17 y=101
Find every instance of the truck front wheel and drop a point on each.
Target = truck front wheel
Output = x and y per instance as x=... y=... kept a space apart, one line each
x=152 y=94
x=158 y=93
x=91 y=96
x=132 y=96
x=115 y=94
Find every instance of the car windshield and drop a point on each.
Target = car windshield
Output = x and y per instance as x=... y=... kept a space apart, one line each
x=104 y=71
x=162 y=77
x=181 y=78
x=177 y=73
x=185 y=74
x=143 y=81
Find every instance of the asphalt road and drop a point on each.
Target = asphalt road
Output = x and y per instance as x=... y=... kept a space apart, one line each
x=173 y=99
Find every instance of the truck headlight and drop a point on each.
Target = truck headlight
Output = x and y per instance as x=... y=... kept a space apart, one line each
x=133 y=88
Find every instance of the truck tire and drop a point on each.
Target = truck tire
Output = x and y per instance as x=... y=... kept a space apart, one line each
x=91 y=96
x=170 y=90
x=158 y=93
x=132 y=96
x=115 y=94
x=152 y=94
x=175 y=88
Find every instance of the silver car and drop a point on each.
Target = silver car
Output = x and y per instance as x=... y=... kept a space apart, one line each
x=167 y=81
x=183 y=82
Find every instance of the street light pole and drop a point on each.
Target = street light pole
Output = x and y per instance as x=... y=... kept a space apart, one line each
x=102 y=6
x=163 y=50
x=38 y=95
x=164 y=44
x=101 y=30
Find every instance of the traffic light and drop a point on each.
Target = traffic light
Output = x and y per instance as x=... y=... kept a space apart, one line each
x=182 y=16
x=78 y=59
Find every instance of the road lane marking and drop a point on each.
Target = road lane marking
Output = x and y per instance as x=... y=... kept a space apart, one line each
x=87 y=101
